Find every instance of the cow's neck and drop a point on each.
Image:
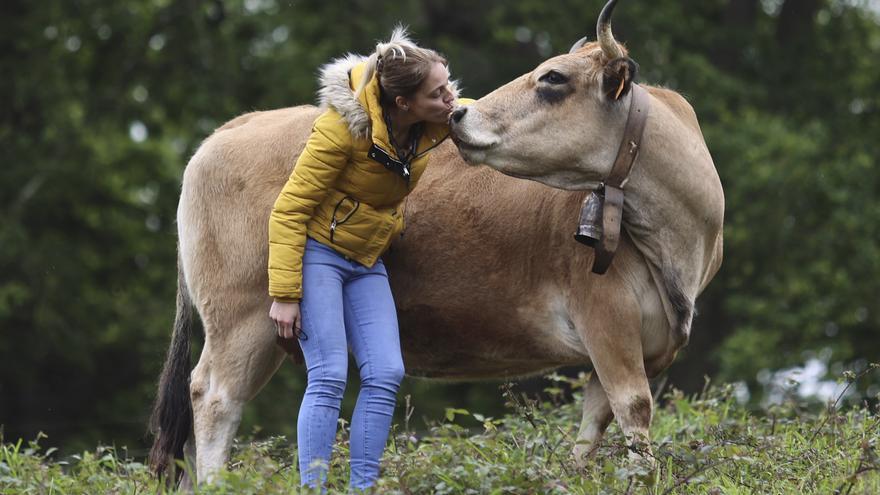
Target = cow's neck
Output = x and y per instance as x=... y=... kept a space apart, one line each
x=673 y=212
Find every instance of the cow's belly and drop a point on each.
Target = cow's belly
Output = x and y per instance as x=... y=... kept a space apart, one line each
x=446 y=341
x=471 y=323
x=491 y=337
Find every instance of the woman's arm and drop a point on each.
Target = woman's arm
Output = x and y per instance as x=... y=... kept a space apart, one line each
x=326 y=154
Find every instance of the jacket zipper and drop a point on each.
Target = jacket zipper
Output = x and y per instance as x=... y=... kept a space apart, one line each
x=334 y=222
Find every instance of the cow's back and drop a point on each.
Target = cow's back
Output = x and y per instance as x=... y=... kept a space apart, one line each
x=229 y=187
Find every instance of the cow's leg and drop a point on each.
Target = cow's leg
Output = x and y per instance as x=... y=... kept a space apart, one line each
x=235 y=364
x=629 y=395
x=187 y=482
x=613 y=341
x=597 y=416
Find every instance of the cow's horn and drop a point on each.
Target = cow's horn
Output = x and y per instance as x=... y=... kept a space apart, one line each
x=575 y=47
x=603 y=32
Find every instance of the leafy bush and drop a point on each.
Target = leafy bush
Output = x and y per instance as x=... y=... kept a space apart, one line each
x=706 y=443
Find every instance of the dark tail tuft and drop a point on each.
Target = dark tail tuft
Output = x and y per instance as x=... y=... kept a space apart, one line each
x=172 y=418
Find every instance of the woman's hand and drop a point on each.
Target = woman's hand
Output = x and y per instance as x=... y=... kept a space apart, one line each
x=287 y=319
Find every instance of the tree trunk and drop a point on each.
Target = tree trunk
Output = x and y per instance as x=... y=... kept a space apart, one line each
x=796 y=21
x=738 y=22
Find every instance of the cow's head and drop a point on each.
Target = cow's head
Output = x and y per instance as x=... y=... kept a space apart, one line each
x=560 y=124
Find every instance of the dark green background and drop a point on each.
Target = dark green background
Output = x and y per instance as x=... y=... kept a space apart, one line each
x=104 y=102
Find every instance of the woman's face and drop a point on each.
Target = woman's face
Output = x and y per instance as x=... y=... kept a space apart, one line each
x=433 y=101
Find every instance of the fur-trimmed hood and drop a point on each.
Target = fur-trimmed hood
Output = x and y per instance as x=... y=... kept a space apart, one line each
x=336 y=91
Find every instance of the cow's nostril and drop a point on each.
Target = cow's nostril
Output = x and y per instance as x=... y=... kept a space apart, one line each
x=458 y=114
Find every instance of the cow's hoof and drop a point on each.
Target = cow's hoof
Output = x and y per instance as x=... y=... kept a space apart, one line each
x=639 y=454
x=583 y=453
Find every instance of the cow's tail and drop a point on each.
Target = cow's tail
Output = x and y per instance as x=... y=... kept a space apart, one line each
x=172 y=418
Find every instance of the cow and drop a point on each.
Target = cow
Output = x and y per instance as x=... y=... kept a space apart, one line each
x=486 y=277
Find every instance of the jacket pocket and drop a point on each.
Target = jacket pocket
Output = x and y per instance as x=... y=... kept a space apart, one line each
x=343 y=210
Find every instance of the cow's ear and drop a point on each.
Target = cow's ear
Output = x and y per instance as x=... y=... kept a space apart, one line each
x=618 y=77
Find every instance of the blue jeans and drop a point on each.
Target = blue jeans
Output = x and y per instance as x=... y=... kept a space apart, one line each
x=346 y=305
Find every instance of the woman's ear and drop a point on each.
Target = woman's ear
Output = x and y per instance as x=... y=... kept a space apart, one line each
x=402 y=103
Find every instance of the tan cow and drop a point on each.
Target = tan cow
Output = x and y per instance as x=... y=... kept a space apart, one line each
x=487 y=279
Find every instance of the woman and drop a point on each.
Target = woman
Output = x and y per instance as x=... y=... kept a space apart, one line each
x=336 y=215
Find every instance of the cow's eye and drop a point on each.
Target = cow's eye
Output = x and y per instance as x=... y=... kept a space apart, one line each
x=553 y=77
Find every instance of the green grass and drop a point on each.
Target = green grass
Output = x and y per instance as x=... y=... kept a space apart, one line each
x=703 y=444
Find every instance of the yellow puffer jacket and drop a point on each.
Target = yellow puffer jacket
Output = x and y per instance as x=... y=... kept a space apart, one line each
x=340 y=176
